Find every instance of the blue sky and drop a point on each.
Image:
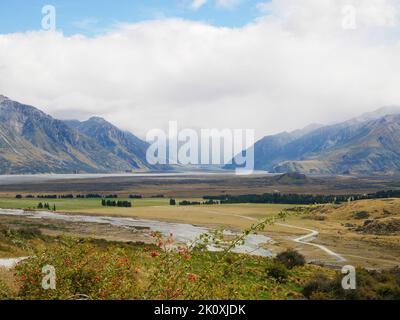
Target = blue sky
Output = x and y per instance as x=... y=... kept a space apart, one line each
x=91 y=17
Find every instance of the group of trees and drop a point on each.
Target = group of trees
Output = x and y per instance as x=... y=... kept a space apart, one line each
x=69 y=196
x=113 y=203
x=303 y=199
x=46 y=206
x=98 y=196
x=47 y=196
x=89 y=196
x=189 y=203
x=66 y=196
x=135 y=196
x=211 y=202
x=196 y=203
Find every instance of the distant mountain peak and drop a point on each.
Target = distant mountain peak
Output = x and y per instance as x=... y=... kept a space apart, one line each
x=301 y=132
x=367 y=145
x=99 y=122
x=97 y=119
x=388 y=110
x=376 y=114
x=3 y=98
x=34 y=142
x=124 y=144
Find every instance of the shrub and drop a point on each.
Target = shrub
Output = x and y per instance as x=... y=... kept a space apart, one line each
x=189 y=203
x=82 y=271
x=30 y=233
x=5 y=292
x=371 y=285
x=172 y=202
x=278 y=271
x=320 y=284
x=166 y=270
x=361 y=215
x=291 y=259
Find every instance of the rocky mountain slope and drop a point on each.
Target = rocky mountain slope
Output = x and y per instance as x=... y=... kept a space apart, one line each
x=34 y=142
x=369 y=144
x=123 y=144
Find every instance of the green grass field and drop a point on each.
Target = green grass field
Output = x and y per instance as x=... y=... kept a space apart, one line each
x=159 y=209
x=75 y=204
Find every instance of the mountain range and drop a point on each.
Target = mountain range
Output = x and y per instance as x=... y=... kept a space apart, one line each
x=369 y=144
x=34 y=142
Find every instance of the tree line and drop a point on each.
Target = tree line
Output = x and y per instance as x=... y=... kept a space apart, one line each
x=113 y=203
x=46 y=206
x=172 y=202
x=78 y=196
x=302 y=199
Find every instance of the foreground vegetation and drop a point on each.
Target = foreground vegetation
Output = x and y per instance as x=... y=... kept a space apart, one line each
x=101 y=270
x=97 y=269
x=368 y=229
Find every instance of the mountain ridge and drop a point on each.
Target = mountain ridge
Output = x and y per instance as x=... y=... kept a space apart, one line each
x=364 y=145
x=124 y=144
x=32 y=141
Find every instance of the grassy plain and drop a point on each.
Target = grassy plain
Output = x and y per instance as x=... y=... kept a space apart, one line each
x=75 y=204
x=331 y=221
x=159 y=209
x=183 y=186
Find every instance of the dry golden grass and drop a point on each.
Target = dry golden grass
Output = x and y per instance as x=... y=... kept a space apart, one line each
x=8 y=279
x=377 y=208
x=359 y=249
x=329 y=220
x=367 y=250
x=233 y=216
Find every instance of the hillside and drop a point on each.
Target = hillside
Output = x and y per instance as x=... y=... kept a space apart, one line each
x=375 y=217
x=371 y=147
x=369 y=144
x=34 y=142
x=123 y=144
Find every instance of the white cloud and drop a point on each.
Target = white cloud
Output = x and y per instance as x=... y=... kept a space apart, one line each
x=85 y=24
x=226 y=4
x=197 y=4
x=263 y=7
x=286 y=70
x=313 y=14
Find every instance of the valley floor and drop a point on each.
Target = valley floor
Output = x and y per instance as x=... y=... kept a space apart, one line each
x=361 y=233
x=335 y=226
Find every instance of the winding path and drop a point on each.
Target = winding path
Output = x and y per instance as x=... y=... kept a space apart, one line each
x=306 y=239
x=10 y=263
x=310 y=237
